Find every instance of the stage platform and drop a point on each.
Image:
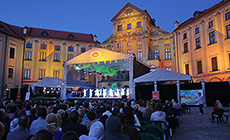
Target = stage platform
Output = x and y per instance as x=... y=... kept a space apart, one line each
x=100 y=98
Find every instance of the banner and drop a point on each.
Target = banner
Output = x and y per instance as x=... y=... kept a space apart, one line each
x=18 y=96
x=155 y=95
x=190 y=97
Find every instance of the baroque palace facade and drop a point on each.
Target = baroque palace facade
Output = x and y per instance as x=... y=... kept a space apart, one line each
x=199 y=46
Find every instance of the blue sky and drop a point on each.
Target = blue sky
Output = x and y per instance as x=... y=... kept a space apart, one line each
x=93 y=16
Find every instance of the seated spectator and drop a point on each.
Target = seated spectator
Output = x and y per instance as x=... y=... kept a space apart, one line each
x=158 y=115
x=108 y=111
x=137 y=112
x=92 y=118
x=96 y=132
x=20 y=133
x=217 y=109
x=32 y=115
x=40 y=123
x=14 y=123
x=2 y=130
x=74 y=125
x=113 y=128
x=43 y=135
x=82 y=120
x=52 y=124
x=70 y=135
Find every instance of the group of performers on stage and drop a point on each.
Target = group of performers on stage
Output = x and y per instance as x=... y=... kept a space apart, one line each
x=104 y=93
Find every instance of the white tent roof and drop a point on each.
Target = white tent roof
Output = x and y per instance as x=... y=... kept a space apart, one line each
x=97 y=55
x=162 y=75
x=49 y=82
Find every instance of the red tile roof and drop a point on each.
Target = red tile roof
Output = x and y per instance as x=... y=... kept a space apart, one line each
x=202 y=13
x=11 y=30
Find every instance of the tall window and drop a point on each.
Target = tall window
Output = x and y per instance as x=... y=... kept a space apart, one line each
x=139 y=54
x=41 y=74
x=129 y=26
x=186 y=68
x=42 y=56
x=139 y=24
x=129 y=44
x=198 y=43
x=70 y=49
x=167 y=54
x=83 y=50
x=197 y=30
x=57 y=57
x=12 y=51
x=214 y=64
x=28 y=45
x=212 y=38
x=129 y=52
x=27 y=74
x=156 y=54
x=139 y=42
x=199 y=67
x=119 y=28
x=119 y=45
x=57 y=48
x=228 y=31
x=56 y=73
x=120 y=52
x=28 y=55
x=169 y=69
x=210 y=24
x=43 y=46
x=185 y=47
x=70 y=56
x=10 y=73
x=184 y=35
x=227 y=16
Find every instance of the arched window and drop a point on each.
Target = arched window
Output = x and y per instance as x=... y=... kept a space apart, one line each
x=44 y=33
x=70 y=36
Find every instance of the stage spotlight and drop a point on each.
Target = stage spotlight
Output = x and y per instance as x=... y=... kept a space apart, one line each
x=100 y=74
x=95 y=72
x=89 y=73
x=124 y=72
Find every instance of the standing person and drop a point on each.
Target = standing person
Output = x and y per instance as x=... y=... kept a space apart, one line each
x=201 y=102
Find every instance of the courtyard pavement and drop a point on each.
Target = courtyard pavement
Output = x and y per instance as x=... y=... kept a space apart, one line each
x=199 y=127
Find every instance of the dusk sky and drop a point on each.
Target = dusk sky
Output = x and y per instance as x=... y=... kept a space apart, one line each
x=93 y=16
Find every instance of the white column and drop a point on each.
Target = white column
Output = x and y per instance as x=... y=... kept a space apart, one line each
x=131 y=87
x=63 y=90
x=155 y=86
x=19 y=87
x=178 y=90
x=203 y=89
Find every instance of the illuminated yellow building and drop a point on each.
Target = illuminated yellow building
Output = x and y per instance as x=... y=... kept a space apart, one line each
x=203 y=44
x=135 y=32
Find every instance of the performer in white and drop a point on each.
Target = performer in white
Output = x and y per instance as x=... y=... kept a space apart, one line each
x=100 y=92
x=96 y=93
x=104 y=92
x=110 y=92
x=122 y=91
x=127 y=92
x=85 y=90
x=90 y=93
x=118 y=92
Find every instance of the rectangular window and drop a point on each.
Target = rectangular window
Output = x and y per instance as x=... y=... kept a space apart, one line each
x=41 y=74
x=199 y=67
x=12 y=51
x=210 y=24
x=212 y=38
x=120 y=52
x=57 y=48
x=169 y=69
x=119 y=28
x=185 y=36
x=129 y=26
x=129 y=44
x=138 y=24
x=187 y=69
x=129 y=52
x=228 y=31
x=139 y=42
x=198 y=43
x=57 y=57
x=83 y=50
x=10 y=73
x=119 y=45
x=56 y=74
x=28 y=45
x=139 y=54
x=27 y=74
x=42 y=56
x=185 y=47
x=43 y=46
x=70 y=56
x=156 y=54
x=197 y=30
x=214 y=64
x=70 y=49
x=227 y=16
x=167 y=54
x=28 y=55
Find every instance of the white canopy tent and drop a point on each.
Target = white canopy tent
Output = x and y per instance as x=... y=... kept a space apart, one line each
x=101 y=56
x=48 y=82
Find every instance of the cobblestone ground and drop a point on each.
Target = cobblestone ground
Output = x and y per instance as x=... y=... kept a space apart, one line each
x=199 y=127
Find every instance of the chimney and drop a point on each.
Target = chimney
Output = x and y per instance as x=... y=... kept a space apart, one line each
x=25 y=30
x=95 y=38
x=176 y=24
